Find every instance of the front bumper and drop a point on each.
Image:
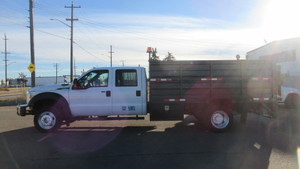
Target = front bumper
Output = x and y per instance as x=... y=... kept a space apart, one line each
x=21 y=110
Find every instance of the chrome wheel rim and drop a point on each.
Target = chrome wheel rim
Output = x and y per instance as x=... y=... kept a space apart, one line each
x=220 y=119
x=47 y=120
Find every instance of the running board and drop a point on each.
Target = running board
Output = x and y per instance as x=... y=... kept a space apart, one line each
x=99 y=118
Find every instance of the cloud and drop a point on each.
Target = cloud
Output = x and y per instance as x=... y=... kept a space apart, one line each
x=151 y=21
x=130 y=35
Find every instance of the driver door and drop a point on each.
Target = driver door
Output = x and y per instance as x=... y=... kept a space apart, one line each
x=91 y=95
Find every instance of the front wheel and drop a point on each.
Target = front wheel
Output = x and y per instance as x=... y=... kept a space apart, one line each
x=220 y=120
x=47 y=120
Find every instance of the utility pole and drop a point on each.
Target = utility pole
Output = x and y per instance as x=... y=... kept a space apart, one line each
x=111 y=52
x=56 y=72
x=74 y=68
x=31 y=41
x=71 y=50
x=5 y=60
x=123 y=61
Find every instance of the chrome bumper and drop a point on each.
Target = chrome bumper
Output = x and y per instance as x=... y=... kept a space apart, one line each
x=21 y=110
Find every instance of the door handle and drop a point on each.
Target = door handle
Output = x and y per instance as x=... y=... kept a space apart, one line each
x=138 y=93
x=108 y=93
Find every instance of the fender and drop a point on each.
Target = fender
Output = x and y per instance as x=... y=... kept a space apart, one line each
x=56 y=98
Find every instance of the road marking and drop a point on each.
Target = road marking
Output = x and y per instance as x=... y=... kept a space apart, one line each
x=44 y=138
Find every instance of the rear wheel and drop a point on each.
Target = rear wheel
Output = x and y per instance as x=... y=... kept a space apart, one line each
x=220 y=120
x=47 y=119
x=292 y=101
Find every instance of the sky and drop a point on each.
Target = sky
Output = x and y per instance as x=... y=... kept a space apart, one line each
x=189 y=29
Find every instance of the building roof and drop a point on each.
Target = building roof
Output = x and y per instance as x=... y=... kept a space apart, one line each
x=277 y=42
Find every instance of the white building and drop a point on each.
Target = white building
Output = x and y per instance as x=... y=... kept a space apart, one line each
x=287 y=55
x=48 y=80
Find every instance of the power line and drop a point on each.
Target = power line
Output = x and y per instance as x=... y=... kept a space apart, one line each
x=39 y=30
x=145 y=36
x=112 y=28
x=88 y=51
x=8 y=20
x=89 y=23
x=13 y=3
x=58 y=36
x=91 y=38
x=49 y=9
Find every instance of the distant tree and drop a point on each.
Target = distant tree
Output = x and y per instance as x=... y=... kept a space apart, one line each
x=169 y=57
x=154 y=55
x=2 y=82
x=22 y=79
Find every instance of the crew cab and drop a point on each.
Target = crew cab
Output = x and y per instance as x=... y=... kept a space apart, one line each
x=98 y=92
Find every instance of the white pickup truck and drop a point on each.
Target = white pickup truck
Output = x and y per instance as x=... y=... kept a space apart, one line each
x=209 y=90
x=99 y=92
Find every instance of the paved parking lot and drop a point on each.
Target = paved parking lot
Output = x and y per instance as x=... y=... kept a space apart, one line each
x=260 y=144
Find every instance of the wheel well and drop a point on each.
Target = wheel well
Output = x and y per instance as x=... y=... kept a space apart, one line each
x=43 y=103
x=222 y=104
x=50 y=99
x=203 y=110
x=292 y=100
x=293 y=94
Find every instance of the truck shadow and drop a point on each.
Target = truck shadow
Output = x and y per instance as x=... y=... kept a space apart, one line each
x=283 y=133
x=186 y=145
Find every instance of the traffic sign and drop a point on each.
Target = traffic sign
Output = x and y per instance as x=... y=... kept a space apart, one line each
x=31 y=67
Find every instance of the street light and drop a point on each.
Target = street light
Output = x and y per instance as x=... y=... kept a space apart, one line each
x=11 y=63
x=71 y=48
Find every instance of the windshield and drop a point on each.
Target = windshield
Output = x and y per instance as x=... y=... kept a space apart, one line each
x=94 y=79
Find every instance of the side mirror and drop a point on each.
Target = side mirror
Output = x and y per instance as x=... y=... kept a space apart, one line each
x=75 y=84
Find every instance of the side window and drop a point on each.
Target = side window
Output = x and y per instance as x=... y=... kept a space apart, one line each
x=126 y=78
x=97 y=78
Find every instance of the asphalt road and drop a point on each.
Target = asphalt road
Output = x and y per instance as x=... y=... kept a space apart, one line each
x=260 y=144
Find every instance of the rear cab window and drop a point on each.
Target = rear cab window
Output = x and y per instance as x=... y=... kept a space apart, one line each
x=126 y=78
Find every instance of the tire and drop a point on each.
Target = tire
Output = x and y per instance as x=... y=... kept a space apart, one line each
x=47 y=119
x=288 y=102
x=292 y=101
x=219 y=120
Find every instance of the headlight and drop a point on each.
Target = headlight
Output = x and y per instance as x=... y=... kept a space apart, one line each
x=29 y=95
